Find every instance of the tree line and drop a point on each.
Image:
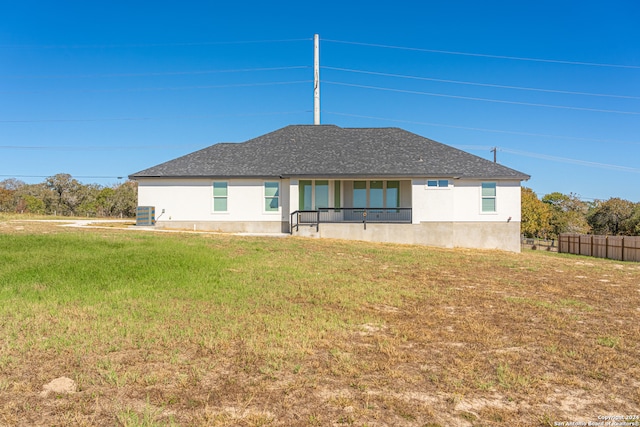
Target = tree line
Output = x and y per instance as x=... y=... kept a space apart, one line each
x=555 y=213
x=559 y=213
x=61 y=194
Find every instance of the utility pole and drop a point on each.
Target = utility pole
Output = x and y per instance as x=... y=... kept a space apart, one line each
x=494 y=151
x=316 y=79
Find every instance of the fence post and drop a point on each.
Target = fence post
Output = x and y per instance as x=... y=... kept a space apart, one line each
x=606 y=247
x=622 y=248
x=591 y=254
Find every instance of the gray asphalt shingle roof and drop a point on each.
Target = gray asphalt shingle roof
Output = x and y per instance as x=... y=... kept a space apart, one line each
x=332 y=151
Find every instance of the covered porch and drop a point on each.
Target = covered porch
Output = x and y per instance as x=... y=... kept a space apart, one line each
x=350 y=201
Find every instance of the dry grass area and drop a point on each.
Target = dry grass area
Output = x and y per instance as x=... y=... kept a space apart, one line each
x=340 y=333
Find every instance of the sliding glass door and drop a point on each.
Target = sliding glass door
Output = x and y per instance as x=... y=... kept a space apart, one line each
x=315 y=194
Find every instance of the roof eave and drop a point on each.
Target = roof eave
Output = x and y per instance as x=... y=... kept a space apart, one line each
x=135 y=177
x=338 y=176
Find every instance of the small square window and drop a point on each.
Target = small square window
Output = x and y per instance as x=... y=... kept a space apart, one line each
x=439 y=183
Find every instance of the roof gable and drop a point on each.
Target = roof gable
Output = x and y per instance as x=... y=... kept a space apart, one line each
x=331 y=151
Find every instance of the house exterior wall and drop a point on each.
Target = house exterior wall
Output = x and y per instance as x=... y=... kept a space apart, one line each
x=461 y=202
x=444 y=217
x=468 y=196
x=294 y=195
x=188 y=203
x=448 y=216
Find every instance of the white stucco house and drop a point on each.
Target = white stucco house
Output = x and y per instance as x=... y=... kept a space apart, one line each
x=374 y=184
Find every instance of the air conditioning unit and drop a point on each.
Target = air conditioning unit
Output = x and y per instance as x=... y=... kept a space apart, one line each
x=146 y=215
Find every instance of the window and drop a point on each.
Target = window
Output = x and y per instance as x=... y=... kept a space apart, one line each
x=317 y=194
x=393 y=194
x=271 y=196
x=220 y=196
x=304 y=193
x=322 y=194
x=440 y=183
x=359 y=194
x=488 y=197
x=376 y=194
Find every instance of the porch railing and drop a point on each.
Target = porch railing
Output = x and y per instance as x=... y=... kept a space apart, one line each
x=350 y=215
x=309 y=218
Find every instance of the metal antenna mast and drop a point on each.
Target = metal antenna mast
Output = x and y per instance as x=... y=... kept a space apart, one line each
x=316 y=79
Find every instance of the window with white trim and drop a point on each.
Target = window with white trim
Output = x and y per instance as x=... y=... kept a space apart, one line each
x=438 y=183
x=220 y=195
x=488 y=197
x=271 y=196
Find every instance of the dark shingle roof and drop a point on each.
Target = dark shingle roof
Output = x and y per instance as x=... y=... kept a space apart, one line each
x=331 y=151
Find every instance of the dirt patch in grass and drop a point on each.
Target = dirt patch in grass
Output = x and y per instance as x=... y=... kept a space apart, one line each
x=114 y=224
x=287 y=332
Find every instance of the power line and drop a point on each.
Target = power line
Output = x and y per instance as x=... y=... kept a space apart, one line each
x=479 y=84
x=170 y=146
x=148 y=74
x=549 y=157
x=139 y=45
x=543 y=135
x=73 y=176
x=573 y=161
x=109 y=119
x=153 y=89
x=530 y=104
x=482 y=55
x=95 y=147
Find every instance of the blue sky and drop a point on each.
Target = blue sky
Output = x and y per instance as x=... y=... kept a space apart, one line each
x=103 y=89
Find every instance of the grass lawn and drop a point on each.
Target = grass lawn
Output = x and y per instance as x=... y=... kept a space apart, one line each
x=200 y=329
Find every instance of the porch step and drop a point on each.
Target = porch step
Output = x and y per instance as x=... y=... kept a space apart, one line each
x=305 y=230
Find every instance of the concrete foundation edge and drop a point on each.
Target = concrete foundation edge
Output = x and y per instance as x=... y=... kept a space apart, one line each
x=480 y=235
x=226 y=226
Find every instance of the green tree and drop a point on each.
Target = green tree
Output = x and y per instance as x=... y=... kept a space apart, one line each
x=8 y=194
x=568 y=213
x=12 y=184
x=63 y=195
x=125 y=199
x=34 y=198
x=105 y=201
x=631 y=226
x=536 y=215
x=7 y=198
x=88 y=194
x=67 y=193
x=612 y=216
x=33 y=204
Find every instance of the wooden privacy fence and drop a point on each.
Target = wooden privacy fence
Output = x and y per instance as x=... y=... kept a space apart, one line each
x=621 y=248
